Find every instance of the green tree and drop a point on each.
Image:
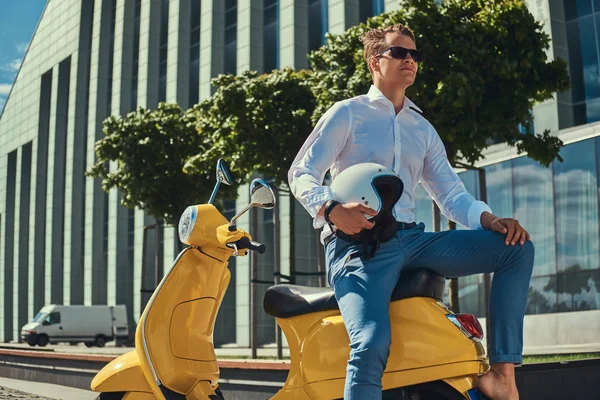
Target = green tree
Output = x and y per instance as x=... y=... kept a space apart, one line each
x=144 y=155
x=258 y=123
x=485 y=67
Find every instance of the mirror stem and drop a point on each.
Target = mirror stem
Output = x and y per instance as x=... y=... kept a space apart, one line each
x=214 y=193
x=249 y=206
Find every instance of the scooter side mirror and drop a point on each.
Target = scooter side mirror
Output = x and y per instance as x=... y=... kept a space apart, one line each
x=223 y=172
x=223 y=176
x=261 y=195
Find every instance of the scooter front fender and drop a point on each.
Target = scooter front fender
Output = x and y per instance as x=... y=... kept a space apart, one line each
x=123 y=374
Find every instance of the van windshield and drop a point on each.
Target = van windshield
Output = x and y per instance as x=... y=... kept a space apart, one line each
x=39 y=317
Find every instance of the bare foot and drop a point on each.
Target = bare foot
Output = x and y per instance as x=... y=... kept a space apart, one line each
x=499 y=382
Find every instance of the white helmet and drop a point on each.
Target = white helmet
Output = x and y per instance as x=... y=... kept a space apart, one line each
x=370 y=184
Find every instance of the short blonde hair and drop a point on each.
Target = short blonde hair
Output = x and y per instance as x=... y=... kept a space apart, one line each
x=374 y=40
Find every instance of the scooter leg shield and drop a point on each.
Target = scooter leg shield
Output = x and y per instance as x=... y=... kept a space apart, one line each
x=123 y=374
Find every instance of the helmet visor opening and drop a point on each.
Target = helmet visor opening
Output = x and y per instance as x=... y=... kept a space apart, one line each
x=390 y=189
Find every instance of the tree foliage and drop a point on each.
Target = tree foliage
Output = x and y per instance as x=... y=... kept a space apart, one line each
x=144 y=155
x=257 y=122
x=485 y=67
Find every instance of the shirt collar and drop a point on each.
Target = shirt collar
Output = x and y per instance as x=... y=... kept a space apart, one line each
x=375 y=94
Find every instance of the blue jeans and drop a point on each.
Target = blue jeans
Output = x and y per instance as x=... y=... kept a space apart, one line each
x=363 y=288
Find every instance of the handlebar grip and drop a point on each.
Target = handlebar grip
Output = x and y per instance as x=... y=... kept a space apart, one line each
x=245 y=243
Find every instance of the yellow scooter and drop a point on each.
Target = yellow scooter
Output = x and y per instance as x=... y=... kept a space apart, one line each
x=435 y=354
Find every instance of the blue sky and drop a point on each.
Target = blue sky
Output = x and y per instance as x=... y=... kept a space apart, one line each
x=18 y=19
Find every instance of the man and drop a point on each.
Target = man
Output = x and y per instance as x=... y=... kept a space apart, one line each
x=385 y=127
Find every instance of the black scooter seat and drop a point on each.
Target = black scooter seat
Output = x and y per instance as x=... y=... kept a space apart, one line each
x=285 y=301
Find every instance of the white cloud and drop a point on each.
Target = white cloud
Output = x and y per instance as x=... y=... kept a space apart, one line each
x=4 y=88
x=2 y=102
x=22 y=47
x=12 y=65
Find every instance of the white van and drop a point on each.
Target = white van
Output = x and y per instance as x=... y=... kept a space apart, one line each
x=93 y=325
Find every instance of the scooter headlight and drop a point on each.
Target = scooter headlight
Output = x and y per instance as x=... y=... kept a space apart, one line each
x=187 y=223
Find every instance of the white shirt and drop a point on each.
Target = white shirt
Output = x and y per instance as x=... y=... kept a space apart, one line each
x=367 y=129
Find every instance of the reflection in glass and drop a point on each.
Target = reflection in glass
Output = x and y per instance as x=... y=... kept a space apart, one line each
x=423 y=207
x=499 y=189
x=231 y=36
x=576 y=207
x=471 y=181
x=593 y=110
x=194 y=52
x=318 y=23
x=542 y=296
x=470 y=295
x=164 y=40
x=574 y=289
x=271 y=35
x=533 y=207
x=589 y=57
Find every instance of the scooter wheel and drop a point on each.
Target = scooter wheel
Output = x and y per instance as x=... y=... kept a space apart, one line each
x=219 y=395
x=111 y=396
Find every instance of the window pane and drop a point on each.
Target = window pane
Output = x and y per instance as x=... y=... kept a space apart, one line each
x=584 y=7
x=471 y=182
x=593 y=111
x=314 y=25
x=423 y=207
x=576 y=198
x=580 y=114
x=470 y=295
x=195 y=13
x=271 y=36
x=365 y=10
x=577 y=8
x=589 y=57
x=231 y=58
x=575 y=290
x=534 y=208
x=575 y=62
x=499 y=189
x=542 y=295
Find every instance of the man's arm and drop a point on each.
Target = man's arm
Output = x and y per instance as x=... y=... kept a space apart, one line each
x=316 y=156
x=446 y=188
x=448 y=191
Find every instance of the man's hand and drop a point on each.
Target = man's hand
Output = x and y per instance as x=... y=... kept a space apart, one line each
x=509 y=226
x=349 y=218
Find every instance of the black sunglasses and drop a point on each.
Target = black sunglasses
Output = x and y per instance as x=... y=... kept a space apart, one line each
x=401 y=53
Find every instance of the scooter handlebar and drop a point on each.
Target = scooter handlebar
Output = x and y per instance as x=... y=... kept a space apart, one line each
x=245 y=243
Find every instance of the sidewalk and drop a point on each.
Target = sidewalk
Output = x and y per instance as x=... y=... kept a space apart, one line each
x=12 y=389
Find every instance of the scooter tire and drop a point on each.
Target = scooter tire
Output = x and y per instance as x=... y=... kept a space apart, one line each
x=111 y=395
x=219 y=395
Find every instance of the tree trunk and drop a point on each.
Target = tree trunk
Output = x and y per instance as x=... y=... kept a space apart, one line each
x=454 y=281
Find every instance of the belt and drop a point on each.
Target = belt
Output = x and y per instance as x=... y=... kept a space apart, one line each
x=401 y=226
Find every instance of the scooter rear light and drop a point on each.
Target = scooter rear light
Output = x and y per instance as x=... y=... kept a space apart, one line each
x=468 y=324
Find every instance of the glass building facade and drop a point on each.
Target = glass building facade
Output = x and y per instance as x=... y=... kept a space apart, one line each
x=558 y=205
x=85 y=249
x=582 y=18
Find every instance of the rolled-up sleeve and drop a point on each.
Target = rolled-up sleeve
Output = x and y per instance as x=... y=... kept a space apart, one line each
x=316 y=156
x=446 y=188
